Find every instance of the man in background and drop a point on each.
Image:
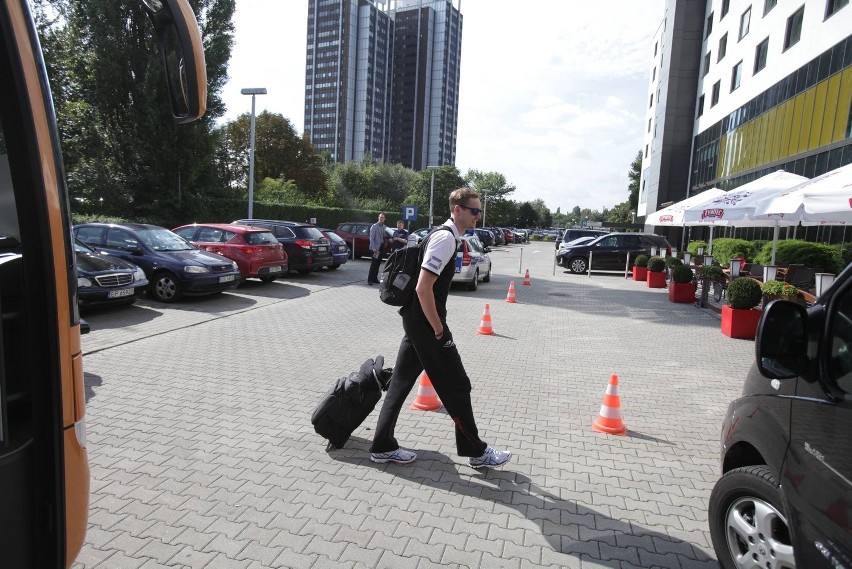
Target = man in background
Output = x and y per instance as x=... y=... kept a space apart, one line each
x=377 y=242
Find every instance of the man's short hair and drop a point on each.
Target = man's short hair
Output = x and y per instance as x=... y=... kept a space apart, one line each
x=400 y=222
x=461 y=196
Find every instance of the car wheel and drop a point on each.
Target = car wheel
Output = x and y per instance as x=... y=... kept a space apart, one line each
x=747 y=525
x=334 y=266
x=487 y=278
x=304 y=271
x=165 y=287
x=267 y=279
x=474 y=284
x=577 y=265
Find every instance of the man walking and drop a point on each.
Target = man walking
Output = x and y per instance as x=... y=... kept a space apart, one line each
x=377 y=241
x=428 y=344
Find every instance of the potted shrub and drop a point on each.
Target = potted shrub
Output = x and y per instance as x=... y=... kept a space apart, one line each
x=656 y=272
x=739 y=316
x=681 y=287
x=640 y=268
x=778 y=289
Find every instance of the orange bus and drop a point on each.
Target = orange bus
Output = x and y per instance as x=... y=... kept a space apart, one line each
x=44 y=471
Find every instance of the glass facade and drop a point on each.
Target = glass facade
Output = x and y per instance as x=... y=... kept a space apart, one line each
x=802 y=124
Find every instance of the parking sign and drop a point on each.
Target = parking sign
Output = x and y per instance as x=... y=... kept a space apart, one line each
x=409 y=213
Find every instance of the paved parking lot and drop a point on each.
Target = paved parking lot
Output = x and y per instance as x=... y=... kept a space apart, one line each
x=203 y=454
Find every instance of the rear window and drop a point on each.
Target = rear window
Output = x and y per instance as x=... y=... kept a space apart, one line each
x=335 y=238
x=307 y=232
x=260 y=238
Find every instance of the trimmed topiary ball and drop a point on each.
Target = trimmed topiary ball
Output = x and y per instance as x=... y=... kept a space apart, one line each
x=656 y=265
x=682 y=274
x=641 y=261
x=744 y=293
x=673 y=262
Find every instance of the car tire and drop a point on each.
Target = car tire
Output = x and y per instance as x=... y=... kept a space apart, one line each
x=334 y=266
x=474 y=284
x=304 y=271
x=487 y=277
x=578 y=265
x=268 y=279
x=165 y=287
x=746 y=520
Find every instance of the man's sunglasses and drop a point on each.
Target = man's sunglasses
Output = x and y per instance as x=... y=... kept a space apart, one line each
x=473 y=210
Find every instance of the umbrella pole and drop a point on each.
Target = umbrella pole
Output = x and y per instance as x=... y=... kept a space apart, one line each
x=710 y=242
x=775 y=241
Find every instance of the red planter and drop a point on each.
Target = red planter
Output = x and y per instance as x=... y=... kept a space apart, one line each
x=737 y=323
x=682 y=292
x=656 y=280
x=640 y=273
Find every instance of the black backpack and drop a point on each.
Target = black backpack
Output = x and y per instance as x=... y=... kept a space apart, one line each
x=402 y=267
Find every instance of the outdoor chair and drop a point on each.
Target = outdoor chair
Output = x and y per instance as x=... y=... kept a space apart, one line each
x=803 y=279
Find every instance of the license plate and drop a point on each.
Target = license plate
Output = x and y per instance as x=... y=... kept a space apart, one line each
x=120 y=293
x=274 y=269
x=227 y=278
x=322 y=249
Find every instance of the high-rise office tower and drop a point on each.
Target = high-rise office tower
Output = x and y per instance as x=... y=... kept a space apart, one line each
x=382 y=78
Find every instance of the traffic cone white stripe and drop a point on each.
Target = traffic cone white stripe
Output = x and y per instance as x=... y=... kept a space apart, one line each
x=610 y=412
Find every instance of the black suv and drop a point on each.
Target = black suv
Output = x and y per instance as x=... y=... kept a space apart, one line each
x=609 y=251
x=307 y=248
x=785 y=496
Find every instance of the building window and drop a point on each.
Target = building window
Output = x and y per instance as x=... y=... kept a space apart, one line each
x=725 y=6
x=700 y=105
x=794 y=28
x=745 y=22
x=654 y=75
x=651 y=102
x=768 y=5
x=709 y=29
x=656 y=45
x=646 y=151
x=760 y=55
x=649 y=125
x=736 y=75
x=714 y=98
x=723 y=47
x=706 y=64
x=833 y=6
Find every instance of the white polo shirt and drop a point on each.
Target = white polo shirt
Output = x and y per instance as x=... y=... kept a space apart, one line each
x=441 y=249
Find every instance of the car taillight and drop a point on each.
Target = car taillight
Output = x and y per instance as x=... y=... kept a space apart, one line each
x=466 y=258
x=304 y=244
x=250 y=250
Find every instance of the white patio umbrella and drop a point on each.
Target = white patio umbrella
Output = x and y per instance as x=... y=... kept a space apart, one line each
x=737 y=207
x=673 y=214
x=824 y=200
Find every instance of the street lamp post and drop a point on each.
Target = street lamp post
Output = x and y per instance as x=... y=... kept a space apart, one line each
x=431 y=191
x=252 y=92
x=484 y=205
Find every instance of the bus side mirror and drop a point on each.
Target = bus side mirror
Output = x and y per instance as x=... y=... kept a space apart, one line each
x=179 y=41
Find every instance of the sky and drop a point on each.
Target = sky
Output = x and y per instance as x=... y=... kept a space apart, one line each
x=553 y=93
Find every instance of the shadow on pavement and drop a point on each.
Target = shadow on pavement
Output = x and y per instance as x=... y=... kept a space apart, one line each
x=90 y=381
x=277 y=289
x=568 y=527
x=104 y=318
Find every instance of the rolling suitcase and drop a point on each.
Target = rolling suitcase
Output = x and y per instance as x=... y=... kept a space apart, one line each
x=349 y=401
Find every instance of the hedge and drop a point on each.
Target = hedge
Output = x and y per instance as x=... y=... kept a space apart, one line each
x=818 y=256
x=725 y=249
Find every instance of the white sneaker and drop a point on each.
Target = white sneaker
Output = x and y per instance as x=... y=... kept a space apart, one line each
x=399 y=456
x=492 y=458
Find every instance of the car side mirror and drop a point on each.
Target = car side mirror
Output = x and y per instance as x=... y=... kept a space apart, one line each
x=781 y=342
x=134 y=250
x=487 y=249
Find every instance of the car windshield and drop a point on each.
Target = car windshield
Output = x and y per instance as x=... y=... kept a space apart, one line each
x=160 y=239
x=80 y=247
x=260 y=238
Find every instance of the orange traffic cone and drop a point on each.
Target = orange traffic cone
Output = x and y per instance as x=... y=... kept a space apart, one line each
x=609 y=419
x=527 y=281
x=485 y=324
x=427 y=397
x=511 y=296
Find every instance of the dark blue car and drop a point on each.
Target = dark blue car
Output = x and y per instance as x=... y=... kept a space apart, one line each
x=102 y=279
x=173 y=266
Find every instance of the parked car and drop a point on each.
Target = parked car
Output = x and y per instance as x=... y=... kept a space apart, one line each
x=499 y=236
x=306 y=247
x=173 y=266
x=419 y=234
x=359 y=232
x=785 y=495
x=485 y=237
x=571 y=234
x=472 y=262
x=255 y=250
x=610 y=251
x=339 y=248
x=102 y=279
x=508 y=236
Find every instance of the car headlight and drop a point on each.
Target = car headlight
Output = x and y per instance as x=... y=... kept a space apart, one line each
x=138 y=274
x=234 y=265
x=83 y=282
x=195 y=269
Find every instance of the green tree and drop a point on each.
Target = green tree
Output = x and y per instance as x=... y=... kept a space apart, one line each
x=527 y=216
x=634 y=175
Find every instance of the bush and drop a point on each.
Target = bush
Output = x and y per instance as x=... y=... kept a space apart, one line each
x=682 y=274
x=813 y=255
x=778 y=288
x=640 y=261
x=656 y=264
x=535 y=237
x=693 y=246
x=744 y=293
x=725 y=249
x=549 y=238
x=710 y=271
x=673 y=262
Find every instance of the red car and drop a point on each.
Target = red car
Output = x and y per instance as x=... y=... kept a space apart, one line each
x=255 y=250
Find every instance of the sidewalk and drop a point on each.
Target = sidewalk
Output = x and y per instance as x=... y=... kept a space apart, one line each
x=203 y=454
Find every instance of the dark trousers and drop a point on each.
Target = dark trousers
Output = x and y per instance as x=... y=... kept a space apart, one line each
x=373 y=275
x=420 y=350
